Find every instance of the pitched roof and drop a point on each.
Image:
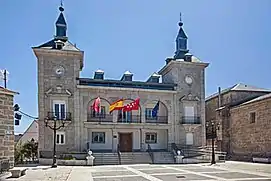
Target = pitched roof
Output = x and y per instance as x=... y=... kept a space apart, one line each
x=61 y=20
x=7 y=91
x=239 y=87
x=260 y=98
x=52 y=45
x=181 y=33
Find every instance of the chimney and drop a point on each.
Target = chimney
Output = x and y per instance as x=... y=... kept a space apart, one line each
x=154 y=78
x=219 y=97
x=99 y=74
x=127 y=76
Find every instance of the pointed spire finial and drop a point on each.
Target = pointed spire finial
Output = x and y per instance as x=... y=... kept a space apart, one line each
x=181 y=22
x=61 y=6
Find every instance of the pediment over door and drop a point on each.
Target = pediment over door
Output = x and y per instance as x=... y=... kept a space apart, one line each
x=58 y=90
x=189 y=97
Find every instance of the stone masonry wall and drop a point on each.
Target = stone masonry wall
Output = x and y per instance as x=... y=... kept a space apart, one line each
x=249 y=138
x=211 y=105
x=7 y=128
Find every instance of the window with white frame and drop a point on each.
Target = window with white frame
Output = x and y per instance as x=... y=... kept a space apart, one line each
x=151 y=138
x=59 y=108
x=189 y=114
x=98 y=137
x=125 y=116
x=60 y=138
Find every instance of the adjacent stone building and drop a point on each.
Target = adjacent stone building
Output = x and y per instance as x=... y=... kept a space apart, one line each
x=231 y=109
x=7 y=125
x=65 y=96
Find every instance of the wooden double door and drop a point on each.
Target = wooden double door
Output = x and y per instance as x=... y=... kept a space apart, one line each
x=126 y=142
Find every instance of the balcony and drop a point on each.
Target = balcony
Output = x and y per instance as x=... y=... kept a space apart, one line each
x=59 y=116
x=190 y=120
x=100 y=118
x=130 y=119
x=157 y=119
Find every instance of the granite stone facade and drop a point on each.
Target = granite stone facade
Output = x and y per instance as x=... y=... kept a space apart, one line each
x=251 y=129
x=181 y=95
x=227 y=115
x=7 y=125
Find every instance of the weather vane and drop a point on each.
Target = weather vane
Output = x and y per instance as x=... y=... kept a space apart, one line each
x=61 y=3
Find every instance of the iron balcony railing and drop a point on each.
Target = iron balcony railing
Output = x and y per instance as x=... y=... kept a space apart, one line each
x=190 y=120
x=100 y=118
x=157 y=119
x=63 y=116
x=129 y=119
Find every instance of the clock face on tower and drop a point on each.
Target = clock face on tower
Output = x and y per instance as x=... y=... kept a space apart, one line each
x=188 y=79
x=59 y=70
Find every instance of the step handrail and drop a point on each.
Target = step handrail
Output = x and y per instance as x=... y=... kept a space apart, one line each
x=119 y=153
x=150 y=153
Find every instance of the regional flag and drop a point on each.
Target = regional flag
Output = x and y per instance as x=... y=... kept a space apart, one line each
x=155 y=110
x=96 y=104
x=132 y=106
x=117 y=105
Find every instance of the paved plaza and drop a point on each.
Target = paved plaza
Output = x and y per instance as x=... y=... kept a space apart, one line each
x=223 y=171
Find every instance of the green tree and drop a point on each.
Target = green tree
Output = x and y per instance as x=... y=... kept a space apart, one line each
x=18 y=153
x=30 y=149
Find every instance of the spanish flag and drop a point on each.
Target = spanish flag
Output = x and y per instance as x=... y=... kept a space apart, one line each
x=117 y=105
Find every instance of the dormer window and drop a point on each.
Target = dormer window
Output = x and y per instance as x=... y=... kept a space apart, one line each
x=127 y=76
x=99 y=74
x=59 y=44
x=154 y=78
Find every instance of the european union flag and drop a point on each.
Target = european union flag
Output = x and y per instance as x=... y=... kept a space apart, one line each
x=155 y=110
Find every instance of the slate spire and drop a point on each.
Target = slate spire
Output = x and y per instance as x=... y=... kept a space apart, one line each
x=61 y=25
x=181 y=42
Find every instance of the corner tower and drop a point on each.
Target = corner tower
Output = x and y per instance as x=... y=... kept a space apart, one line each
x=188 y=72
x=59 y=65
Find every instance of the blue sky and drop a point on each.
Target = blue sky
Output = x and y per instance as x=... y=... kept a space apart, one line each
x=136 y=35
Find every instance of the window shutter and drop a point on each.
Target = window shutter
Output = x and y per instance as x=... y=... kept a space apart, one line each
x=62 y=139
x=57 y=110
x=57 y=138
x=62 y=111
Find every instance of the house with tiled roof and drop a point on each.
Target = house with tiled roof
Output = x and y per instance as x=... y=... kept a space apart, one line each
x=243 y=114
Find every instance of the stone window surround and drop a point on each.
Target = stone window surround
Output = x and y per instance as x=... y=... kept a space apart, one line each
x=59 y=101
x=151 y=135
x=99 y=134
x=58 y=137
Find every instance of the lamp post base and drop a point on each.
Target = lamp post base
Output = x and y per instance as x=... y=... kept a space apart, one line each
x=54 y=166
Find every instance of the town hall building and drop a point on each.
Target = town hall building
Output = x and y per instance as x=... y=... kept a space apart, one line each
x=67 y=98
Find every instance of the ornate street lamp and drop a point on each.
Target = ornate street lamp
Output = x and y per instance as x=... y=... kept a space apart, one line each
x=54 y=128
x=212 y=135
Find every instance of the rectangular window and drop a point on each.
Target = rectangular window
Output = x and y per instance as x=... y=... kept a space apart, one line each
x=98 y=137
x=189 y=111
x=100 y=114
x=125 y=116
x=60 y=138
x=59 y=109
x=148 y=114
x=189 y=115
x=151 y=138
x=252 y=117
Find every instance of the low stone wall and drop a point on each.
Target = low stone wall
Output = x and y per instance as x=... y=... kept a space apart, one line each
x=47 y=161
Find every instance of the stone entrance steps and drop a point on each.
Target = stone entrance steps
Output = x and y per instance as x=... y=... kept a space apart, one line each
x=106 y=159
x=135 y=158
x=163 y=157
